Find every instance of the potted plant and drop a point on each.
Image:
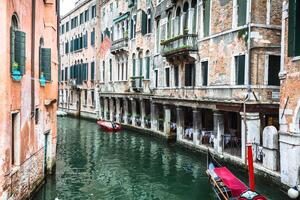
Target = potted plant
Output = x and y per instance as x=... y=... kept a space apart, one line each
x=42 y=80
x=16 y=73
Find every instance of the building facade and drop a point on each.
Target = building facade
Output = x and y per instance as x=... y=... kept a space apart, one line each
x=290 y=94
x=29 y=60
x=78 y=59
x=203 y=72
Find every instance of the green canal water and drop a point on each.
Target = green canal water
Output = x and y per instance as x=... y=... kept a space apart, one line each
x=92 y=164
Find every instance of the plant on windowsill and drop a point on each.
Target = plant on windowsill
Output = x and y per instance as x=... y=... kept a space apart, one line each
x=16 y=72
x=42 y=80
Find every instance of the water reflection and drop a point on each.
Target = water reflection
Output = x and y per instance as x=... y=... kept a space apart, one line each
x=96 y=165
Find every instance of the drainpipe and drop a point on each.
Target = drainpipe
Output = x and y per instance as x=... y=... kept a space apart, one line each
x=58 y=46
x=33 y=58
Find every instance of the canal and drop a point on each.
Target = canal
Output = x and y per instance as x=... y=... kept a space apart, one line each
x=92 y=164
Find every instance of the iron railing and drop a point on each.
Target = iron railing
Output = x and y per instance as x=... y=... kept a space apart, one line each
x=119 y=45
x=180 y=43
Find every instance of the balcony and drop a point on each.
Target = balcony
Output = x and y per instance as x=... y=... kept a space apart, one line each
x=181 y=47
x=137 y=83
x=119 y=45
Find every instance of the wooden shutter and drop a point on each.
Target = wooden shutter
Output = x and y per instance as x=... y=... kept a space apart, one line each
x=144 y=22
x=46 y=63
x=240 y=67
x=92 y=70
x=292 y=28
x=20 y=39
x=148 y=68
x=242 y=12
x=12 y=47
x=206 y=17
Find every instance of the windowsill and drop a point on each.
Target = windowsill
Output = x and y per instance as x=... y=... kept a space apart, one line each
x=297 y=58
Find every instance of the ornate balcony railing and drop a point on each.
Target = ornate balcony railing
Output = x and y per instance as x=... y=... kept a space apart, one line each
x=179 y=44
x=119 y=45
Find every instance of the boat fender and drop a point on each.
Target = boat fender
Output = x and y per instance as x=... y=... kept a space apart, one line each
x=293 y=193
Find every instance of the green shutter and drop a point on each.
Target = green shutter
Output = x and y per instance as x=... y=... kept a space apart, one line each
x=144 y=22
x=131 y=29
x=12 y=48
x=92 y=70
x=20 y=39
x=141 y=66
x=46 y=63
x=133 y=67
x=240 y=63
x=206 y=17
x=242 y=12
x=292 y=28
x=148 y=68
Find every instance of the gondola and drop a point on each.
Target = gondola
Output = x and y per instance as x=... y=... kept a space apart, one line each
x=226 y=185
x=109 y=126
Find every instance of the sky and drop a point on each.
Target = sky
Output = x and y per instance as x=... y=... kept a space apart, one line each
x=66 y=6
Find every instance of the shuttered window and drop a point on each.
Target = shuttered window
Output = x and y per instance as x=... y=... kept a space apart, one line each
x=93 y=38
x=141 y=66
x=45 y=63
x=133 y=67
x=204 y=70
x=144 y=22
x=62 y=75
x=190 y=75
x=92 y=71
x=240 y=70
x=206 y=17
x=242 y=12
x=147 y=67
x=86 y=14
x=66 y=74
x=17 y=50
x=294 y=29
x=110 y=70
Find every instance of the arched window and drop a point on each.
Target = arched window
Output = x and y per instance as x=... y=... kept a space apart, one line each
x=194 y=7
x=185 y=15
x=169 y=30
x=140 y=64
x=147 y=75
x=133 y=65
x=110 y=70
x=149 y=19
x=178 y=12
x=157 y=36
x=17 y=48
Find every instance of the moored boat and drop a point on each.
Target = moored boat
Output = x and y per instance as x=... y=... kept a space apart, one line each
x=109 y=126
x=226 y=185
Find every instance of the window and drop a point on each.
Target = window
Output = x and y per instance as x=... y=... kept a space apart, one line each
x=294 y=29
x=85 y=40
x=36 y=116
x=133 y=65
x=111 y=7
x=169 y=25
x=206 y=17
x=242 y=12
x=92 y=71
x=273 y=70
x=149 y=21
x=176 y=76
x=45 y=63
x=66 y=74
x=133 y=27
x=93 y=97
x=15 y=138
x=194 y=15
x=62 y=75
x=86 y=15
x=167 y=75
x=67 y=47
x=144 y=21
x=110 y=70
x=156 y=78
x=17 y=48
x=103 y=71
x=81 y=21
x=190 y=75
x=141 y=65
x=148 y=65
x=240 y=70
x=185 y=16
x=204 y=71
x=67 y=26
x=93 y=12
x=93 y=37
x=85 y=97
x=157 y=36
x=63 y=29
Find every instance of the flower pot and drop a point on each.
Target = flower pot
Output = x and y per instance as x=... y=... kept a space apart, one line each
x=16 y=75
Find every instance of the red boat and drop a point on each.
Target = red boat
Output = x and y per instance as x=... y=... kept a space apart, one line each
x=227 y=186
x=109 y=126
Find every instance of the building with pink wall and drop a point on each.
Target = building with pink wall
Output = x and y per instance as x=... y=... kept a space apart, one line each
x=29 y=67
